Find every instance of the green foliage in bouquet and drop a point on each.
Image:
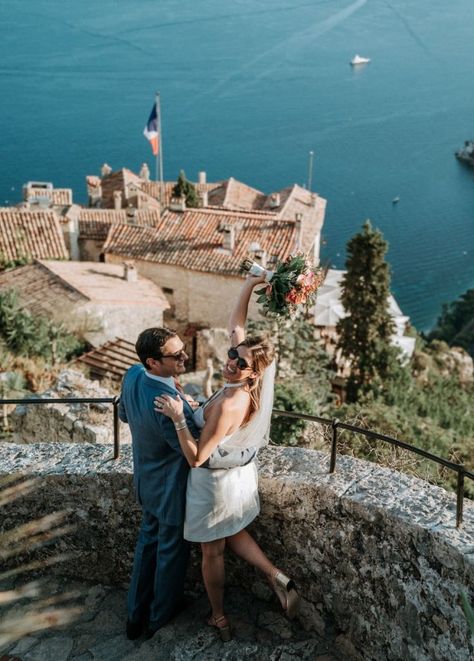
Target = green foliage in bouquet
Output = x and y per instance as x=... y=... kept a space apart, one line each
x=294 y=282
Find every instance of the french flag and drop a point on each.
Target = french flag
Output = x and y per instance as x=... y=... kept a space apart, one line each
x=151 y=130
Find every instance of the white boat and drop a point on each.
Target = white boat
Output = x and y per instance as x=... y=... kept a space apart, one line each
x=358 y=59
x=396 y=200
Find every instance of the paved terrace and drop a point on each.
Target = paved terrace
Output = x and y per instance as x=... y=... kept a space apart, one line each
x=261 y=632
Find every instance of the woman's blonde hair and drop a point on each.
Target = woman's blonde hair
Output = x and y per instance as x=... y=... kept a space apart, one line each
x=263 y=354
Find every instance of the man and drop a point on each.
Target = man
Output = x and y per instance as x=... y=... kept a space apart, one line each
x=160 y=477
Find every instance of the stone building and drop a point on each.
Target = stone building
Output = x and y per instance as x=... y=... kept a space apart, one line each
x=98 y=301
x=195 y=256
x=43 y=195
x=86 y=230
x=125 y=189
x=329 y=310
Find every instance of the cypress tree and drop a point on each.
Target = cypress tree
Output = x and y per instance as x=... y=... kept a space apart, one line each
x=364 y=334
x=186 y=189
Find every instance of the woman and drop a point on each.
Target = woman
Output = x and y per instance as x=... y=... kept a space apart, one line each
x=222 y=493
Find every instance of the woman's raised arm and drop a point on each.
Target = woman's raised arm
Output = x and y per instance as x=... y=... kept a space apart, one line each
x=238 y=316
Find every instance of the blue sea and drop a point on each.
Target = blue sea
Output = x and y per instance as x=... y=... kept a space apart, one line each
x=250 y=87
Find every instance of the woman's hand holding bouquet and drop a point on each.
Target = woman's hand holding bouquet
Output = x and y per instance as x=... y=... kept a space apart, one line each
x=294 y=282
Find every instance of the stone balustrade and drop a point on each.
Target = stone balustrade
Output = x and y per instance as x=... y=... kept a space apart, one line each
x=375 y=553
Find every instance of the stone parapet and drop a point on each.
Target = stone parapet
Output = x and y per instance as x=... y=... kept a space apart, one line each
x=73 y=423
x=375 y=553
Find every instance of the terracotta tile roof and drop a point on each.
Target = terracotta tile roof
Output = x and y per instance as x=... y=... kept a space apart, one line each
x=117 y=181
x=39 y=290
x=61 y=197
x=95 y=223
x=192 y=239
x=111 y=360
x=153 y=188
x=104 y=283
x=233 y=194
x=296 y=199
x=45 y=287
x=30 y=234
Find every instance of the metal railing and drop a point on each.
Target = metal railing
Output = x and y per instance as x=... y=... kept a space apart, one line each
x=334 y=424
x=78 y=400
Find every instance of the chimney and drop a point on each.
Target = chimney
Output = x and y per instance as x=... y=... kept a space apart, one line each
x=131 y=215
x=117 y=200
x=144 y=172
x=105 y=170
x=178 y=203
x=72 y=232
x=202 y=177
x=299 y=227
x=260 y=256
x=275 y=200
x=94 y=190
x=228 y=237
x=130 y=272
x=204 y=198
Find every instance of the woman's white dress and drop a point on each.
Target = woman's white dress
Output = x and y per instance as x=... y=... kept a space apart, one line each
x=221 y=501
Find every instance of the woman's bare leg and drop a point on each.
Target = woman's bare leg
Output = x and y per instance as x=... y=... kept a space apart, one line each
x=213 y=573
x=243 y=545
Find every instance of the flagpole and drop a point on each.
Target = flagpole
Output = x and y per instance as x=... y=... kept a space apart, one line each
x=310 y=169
x=159 y=156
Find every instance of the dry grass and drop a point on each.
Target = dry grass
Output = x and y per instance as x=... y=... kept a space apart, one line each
x=319 y=437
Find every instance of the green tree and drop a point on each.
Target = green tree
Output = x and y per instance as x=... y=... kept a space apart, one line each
x=303 y=382
x=290 y=397
x=186 y=189
x=28 y=335
x=364 y=334
x=456 y=323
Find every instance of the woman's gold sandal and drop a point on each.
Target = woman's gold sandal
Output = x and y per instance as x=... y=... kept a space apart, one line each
x=285 y=590
x=225 y=632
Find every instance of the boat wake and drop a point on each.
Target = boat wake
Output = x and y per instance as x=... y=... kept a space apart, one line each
x=297 y=41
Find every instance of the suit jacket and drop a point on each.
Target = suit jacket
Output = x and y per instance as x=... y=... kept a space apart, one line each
x=160 y=469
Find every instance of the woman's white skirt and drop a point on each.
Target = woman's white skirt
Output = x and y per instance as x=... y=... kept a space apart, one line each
x=220 y=502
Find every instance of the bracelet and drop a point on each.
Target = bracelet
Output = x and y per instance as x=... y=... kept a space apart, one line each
x=180 y=424
x=180 y=428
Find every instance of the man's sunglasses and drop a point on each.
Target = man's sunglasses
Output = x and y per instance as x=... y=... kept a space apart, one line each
x=176 y=356
x=242 y=364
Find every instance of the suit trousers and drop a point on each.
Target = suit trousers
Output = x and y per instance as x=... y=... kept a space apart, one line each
x=159 y=570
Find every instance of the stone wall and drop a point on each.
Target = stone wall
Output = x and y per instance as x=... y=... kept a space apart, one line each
x=375 y=553
x=199 y=298
x=69 y=423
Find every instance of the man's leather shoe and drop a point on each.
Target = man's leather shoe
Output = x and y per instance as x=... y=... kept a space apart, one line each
x=149 y=632
x=179 y=608
x=134 y=629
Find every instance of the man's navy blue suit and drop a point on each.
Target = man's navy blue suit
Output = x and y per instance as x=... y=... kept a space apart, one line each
x=160 y=477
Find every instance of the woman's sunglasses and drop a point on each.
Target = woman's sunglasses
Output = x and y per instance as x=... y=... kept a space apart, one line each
x=242 y=364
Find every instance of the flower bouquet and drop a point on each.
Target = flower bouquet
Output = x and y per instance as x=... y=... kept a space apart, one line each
x=294 y=282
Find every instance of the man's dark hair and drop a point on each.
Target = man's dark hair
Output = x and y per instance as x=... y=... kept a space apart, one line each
x=151 y=341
